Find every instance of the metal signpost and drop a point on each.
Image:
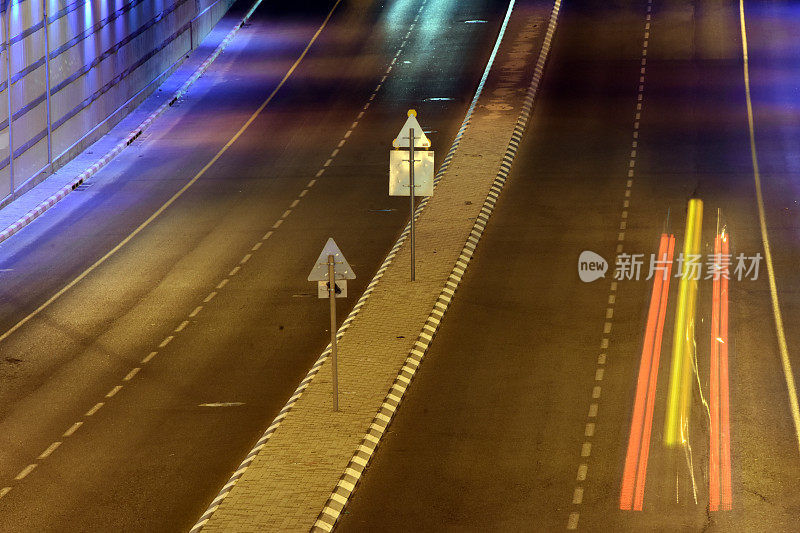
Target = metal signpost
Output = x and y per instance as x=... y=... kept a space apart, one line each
x=331 y=272
x=412 y=176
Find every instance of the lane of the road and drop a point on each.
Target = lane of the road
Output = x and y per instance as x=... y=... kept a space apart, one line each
x=520 y=417
x=101 y=424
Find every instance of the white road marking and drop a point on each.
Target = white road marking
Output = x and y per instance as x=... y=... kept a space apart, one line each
x=133 y=372
x=247 y=257
x=572 y=523
x=222 y=404
x=73 y=429
x=27 y=470
x=94 y=409
x=225 y=281
x=577 y=496
x=169 y=338
x=4 y=491
x=195 y=312
x=113 y=391
x=183 y=324
x=788 y=373
x=50 y=449
x=148 y=357
x=183 y=189
x=209 y=298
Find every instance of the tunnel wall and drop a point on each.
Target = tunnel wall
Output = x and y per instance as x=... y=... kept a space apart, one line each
x=104 y=57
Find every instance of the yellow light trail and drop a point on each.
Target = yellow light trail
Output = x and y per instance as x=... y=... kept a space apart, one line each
x=680 y=376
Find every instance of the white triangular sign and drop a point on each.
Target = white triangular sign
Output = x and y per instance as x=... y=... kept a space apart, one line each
x=341 y=268
x=420 y=140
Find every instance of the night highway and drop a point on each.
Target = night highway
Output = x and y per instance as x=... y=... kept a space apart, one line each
x=155 y=321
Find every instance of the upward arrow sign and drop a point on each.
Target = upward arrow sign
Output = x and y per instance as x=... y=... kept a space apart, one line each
x=403 y=138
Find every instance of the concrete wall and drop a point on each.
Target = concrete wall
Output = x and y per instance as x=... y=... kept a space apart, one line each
x=77 y=67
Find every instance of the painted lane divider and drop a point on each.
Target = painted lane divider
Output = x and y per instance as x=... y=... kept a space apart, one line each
x=680 y=385
x=635 y=470
x=719 y=467
x=786 y=363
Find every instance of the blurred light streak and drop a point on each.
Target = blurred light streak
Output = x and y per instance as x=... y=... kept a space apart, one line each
x=635 y=470
x=683 y=341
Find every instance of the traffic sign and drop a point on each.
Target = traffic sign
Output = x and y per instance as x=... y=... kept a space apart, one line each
x=403 y=138
x=399 y=173
x=323 y=289
x=341 y=269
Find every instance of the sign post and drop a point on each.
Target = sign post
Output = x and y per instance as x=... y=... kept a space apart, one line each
x=332 y=271
x=412 y=176
x=334 y=359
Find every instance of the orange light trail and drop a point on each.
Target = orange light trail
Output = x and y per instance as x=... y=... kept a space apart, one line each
x=635 y=470
x=719 y=479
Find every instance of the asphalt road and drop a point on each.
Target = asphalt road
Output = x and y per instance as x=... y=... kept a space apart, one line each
x=493 y=432
x=150 y=458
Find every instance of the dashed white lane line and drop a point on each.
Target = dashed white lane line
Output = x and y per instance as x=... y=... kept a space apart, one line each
x=170 y=337
x=220 y=285
x=72 y=429
x=257 y=245
x=277 y=224
x=245 y=259
x=94 y=409
x=50 y=449
x=205 y=301
x=291 y=206
x=148 y=357
x=25 y=471
x=590 y=427
x=181 y=326
x=195 y=312
x=235 y=270
x=113 y=391
x=4 y=491
x=131 y=374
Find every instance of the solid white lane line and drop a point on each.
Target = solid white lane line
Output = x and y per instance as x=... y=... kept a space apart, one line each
x=788 y=373
x=183 y=189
